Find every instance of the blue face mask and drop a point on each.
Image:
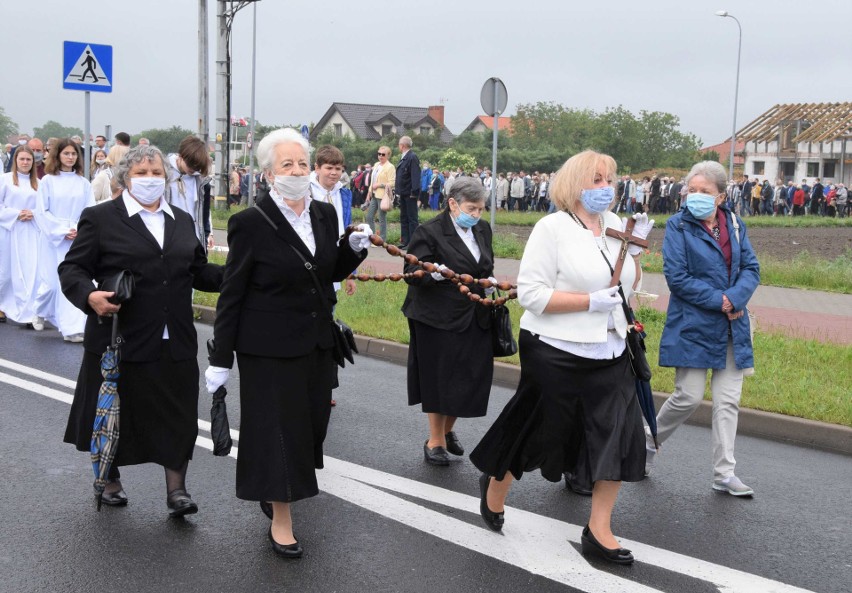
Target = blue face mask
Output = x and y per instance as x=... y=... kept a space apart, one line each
x=465 y=220
x=597 y=200
x=701 y=206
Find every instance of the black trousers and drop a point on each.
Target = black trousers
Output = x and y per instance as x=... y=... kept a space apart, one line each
x=408 y=217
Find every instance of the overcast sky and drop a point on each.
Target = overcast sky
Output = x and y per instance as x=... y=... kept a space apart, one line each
x=667 y=55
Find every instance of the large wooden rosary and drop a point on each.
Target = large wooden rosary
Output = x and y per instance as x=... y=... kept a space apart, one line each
x=462 y=280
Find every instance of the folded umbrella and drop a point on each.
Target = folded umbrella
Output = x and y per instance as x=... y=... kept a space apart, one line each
x=106 y=426
x=220 y=429
x=643 y=389
x=105 y=430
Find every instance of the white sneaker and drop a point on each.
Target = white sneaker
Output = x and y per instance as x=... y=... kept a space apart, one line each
x=38 y=323
x=733 y=486
x=650 y=455
x=74 y=338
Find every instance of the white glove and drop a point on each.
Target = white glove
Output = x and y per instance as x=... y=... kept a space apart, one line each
x=490 y=290
x=215 y=377
x=360 y=239
x=604 y=301
x=437 y=276
x=641 y=230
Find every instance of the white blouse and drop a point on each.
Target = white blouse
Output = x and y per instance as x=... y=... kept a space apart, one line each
x=301 y=223
x=561 y=255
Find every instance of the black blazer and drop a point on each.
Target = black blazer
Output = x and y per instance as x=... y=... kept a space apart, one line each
x=108 y=241
x=269 y=306
x=408 y=176
x=439 y=303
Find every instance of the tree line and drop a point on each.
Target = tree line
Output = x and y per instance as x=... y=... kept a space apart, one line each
x=543 y=135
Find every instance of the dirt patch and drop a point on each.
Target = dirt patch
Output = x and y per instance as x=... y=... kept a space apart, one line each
x=780 y=243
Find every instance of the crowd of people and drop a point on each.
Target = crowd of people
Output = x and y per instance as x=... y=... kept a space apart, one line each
x=574 y=415
x=751 y=197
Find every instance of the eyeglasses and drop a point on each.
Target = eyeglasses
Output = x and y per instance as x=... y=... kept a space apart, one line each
x=382 y=154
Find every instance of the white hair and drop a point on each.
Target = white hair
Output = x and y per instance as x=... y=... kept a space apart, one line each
x=711 y=171
x=266 y=147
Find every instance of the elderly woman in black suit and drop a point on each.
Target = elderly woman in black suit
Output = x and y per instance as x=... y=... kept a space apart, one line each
x=280 y=327
x=446 y=328
x=140 y=232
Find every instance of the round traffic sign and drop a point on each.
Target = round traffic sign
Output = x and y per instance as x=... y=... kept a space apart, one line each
x=493 y=96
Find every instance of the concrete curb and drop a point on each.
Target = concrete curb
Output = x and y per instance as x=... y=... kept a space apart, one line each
x=777 y=427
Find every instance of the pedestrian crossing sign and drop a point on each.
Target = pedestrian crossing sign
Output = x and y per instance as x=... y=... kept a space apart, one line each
x=87 y=67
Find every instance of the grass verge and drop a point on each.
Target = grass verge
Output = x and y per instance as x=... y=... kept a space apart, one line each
x=796 y=377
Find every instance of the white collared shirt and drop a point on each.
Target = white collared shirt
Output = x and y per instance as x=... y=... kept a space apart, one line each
x=318 y=192
x=301 y=223
x=466 y=235
x=154 y=221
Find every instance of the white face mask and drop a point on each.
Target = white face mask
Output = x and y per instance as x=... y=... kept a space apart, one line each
x=147 y=190
x=100 y=161
x=292 y=187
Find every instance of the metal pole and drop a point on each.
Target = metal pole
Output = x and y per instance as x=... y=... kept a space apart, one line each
x=736 y=95
x=222 y=91
x=494 y=165
x=203 y=84
x=87 y=149
x=251 y=124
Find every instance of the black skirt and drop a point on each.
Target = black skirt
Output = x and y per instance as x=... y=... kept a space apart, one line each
x=569 y=414
x=158 y=418
x=284 y=413
x=450 y=372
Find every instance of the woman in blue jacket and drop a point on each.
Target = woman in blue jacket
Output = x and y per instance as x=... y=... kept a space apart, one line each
x=711 y=271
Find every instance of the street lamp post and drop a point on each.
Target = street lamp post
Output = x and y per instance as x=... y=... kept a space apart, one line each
x=725 y=13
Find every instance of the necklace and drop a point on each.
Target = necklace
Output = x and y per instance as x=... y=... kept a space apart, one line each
x=599 y=241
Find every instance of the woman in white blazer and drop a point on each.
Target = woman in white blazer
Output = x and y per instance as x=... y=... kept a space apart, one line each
x=575 y=410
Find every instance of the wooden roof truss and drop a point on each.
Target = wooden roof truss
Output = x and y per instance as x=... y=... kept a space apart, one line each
x=821 y=122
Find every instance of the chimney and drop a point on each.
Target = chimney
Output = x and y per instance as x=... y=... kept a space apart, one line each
x=436 y=112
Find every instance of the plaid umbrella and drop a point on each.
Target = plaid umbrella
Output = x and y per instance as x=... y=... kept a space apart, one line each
x=105 y=430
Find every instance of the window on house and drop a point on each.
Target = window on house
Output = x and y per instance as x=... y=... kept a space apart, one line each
x=758 y=167
x=425 y=130
x=387 y=130
x=828 y=169
x=813 y=170
x=338 y=130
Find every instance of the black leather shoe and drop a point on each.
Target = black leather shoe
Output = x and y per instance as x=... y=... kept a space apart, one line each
x=572 y=485
x=435 y=455
x=590 y=545
x=286 y=551
x=454 y=445
x=493 y=520
x=266 y=507
x=113 y=499
x=180 y=503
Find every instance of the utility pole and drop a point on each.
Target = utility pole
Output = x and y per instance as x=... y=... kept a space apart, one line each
x=203 y=92
x=223 y=91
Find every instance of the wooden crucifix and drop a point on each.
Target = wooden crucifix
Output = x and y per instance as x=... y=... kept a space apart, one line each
x=627 y=238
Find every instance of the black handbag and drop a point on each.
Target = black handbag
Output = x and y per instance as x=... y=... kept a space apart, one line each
x=122 y=284
x=502 y=341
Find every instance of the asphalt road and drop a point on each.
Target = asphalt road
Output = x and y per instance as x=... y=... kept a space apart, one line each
x=385 y=521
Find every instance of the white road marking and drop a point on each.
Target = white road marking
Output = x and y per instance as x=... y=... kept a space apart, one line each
x=532 y=542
